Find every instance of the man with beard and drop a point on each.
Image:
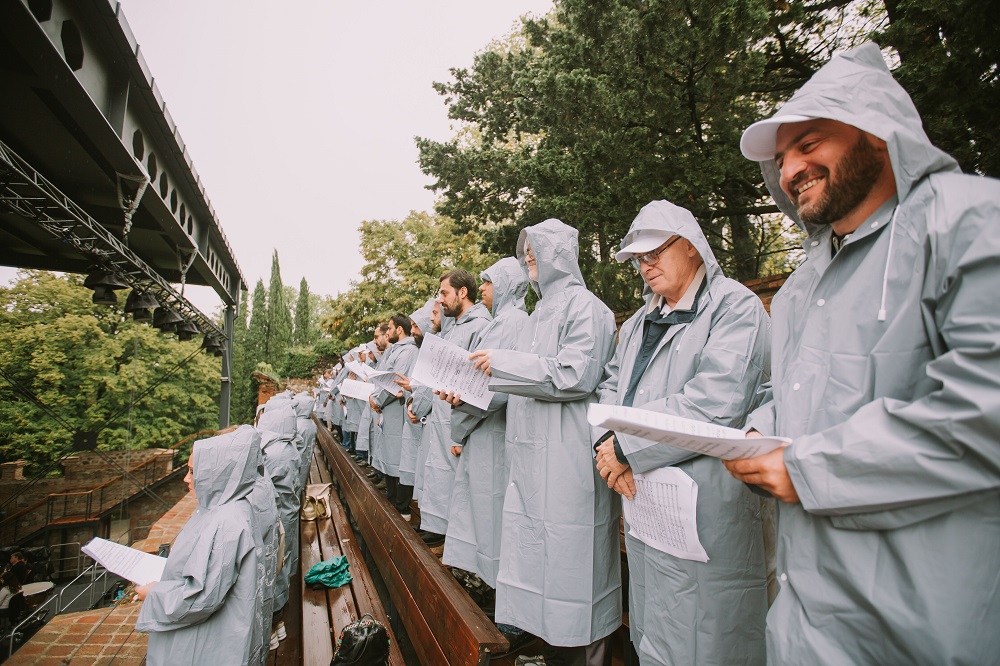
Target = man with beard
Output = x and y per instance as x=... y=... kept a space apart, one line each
x=886 y=377
x=457 y=297
x=400 y=358
x=419 y=411
x=371 y=354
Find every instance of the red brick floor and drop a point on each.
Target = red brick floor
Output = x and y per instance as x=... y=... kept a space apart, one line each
x=99 y=637
x=167 y=528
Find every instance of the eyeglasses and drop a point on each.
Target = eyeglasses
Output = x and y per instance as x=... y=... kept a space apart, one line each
x=651 y=257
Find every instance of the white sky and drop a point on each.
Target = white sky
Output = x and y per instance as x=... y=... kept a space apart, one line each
x=300 y=116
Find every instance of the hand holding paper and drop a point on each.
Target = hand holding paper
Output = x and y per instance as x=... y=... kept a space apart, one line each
x=445 y=366
x=135 y=565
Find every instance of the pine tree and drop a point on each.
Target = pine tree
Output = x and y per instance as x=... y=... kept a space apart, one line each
x=242 y=395
x=279 y=318
x=257 y=333
x=305 y=333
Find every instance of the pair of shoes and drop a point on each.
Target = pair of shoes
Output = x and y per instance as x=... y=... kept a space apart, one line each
x=530 y=660
x=275 y=641
x=430 y=538
x=406 y=516
x=280 y=630
x=516 y=638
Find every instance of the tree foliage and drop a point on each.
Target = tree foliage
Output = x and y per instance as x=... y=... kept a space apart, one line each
x=305 y=333
x=403 y=265
x=89 y=366
x=279 y=317
x=593 y=111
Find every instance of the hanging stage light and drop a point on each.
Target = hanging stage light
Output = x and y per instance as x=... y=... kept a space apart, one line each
x=104 y=296
x=186 y=331
x=166 y=319
x=140 y=305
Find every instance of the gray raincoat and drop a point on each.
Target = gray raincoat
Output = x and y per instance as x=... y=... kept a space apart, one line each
x=560 y=571
x=207 y=607
x=893 y=555
x=281 y=460
x=307 y=434
x=439 y=468
x=473 y=539
x=400 y=358
x=707 y=366
x=366 y=424
x=410 y=439
x=423 y=400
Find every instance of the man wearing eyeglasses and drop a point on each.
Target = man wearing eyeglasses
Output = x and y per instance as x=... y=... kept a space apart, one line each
x=697 y=349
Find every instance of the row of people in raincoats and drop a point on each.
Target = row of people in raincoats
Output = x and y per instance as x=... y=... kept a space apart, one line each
x=882 y=370
x=226 y=580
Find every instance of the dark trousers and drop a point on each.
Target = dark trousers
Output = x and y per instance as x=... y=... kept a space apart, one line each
x=398 y=494
x=350 y=440
x=597 y=653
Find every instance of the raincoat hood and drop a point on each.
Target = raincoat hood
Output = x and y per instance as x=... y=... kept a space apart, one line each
x=302 y=404
x=278 y=418
x=422 y=316
x=855 y=88
x=227 y=466
x=510 y=284
x=667 y=220
x=557 y=255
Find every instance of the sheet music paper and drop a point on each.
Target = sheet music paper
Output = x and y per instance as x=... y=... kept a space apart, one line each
x=361 y=371
x=705 y=438
x=352 y=388
x=443 y=365
x=663 y=513
x=135 y=565
x=383 y=379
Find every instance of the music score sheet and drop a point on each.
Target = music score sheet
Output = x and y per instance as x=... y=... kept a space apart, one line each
x=445 y=366
x=135 y=565
x=696 y=436
x=352 y=388
x=663 y=513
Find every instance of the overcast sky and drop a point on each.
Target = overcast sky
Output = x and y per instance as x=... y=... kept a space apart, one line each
x=300 y=116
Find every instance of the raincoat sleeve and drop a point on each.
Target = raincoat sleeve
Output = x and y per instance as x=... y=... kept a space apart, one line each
x=732 y=365
x=209 y=573
x=465 y=418
x=573 y=373
x=423 y=401
x=763 y=418
x=403 y=364
x=893 y=463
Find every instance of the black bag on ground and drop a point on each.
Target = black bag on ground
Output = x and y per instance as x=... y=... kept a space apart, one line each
x=364 y=642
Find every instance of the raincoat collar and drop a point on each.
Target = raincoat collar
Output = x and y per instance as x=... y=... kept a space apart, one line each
x=226 y=467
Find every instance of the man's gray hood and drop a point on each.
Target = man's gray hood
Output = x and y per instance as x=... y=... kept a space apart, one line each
x=226 y=467
x=303 y=404
x=422 y=316
x=278 y=418
x=856 y=88
x=557 y=255
x=510 y=284
x=666 y=218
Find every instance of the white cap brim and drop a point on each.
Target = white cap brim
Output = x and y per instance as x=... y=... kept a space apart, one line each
x=647 y=243
x=758 y=140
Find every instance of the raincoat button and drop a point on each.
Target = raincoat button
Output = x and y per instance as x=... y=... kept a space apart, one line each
x=641 y=391
x=814 y=243
x=821 y=302
x=796 y=386
x=874 y=225
x=784 y=578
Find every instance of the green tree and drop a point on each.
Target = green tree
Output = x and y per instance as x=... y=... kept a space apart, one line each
x=242 y=401
x=403 y=263
x=279 y=318
x=88 y=369
x=305 y=333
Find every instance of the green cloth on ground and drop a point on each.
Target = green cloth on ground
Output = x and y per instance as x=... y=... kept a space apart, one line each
x=334 y=572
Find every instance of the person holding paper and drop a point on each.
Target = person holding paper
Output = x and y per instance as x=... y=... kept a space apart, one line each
x=458 y=301
x=886 y=377
x=352 y=407
x=400 y=357
x=477 y=435
x=697 y=349
x=370 y=355
x=420 y=322
x=206 y=608
x=560 y=570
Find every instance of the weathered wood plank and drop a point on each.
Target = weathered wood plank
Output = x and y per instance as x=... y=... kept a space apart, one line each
x=317 y=644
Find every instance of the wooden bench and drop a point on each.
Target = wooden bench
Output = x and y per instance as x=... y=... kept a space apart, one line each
x=442 y=623
x=325 y=612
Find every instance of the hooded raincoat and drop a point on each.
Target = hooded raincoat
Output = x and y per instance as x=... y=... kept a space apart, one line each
x=439 y=468
x=892 y=555
x=366 y=422
x=474 y=519
x=307 y=434
x=208 y=606
x=560 y=572
x=400 y=357
x=410 y=438
x=707 y=366
x=281 y=460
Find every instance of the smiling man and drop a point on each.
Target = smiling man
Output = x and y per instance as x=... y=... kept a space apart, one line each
x=886 y=377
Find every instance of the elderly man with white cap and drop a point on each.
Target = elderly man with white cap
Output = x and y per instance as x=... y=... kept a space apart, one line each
x=886 y=377
x=698 y=349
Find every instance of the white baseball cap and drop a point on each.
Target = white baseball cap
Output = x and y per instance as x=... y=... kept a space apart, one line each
x=643 y=241
x=758 y=140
